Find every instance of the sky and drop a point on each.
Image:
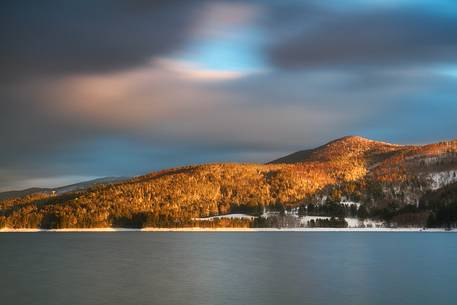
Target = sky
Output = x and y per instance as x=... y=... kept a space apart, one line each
x=120 y=88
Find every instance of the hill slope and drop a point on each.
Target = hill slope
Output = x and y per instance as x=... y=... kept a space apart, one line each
x=376 y=175
x=23 y=193
x=60 y=190
x=346 y=147
x=384 y=161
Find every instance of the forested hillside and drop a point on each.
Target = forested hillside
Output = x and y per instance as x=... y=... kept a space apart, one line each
x=383 y=181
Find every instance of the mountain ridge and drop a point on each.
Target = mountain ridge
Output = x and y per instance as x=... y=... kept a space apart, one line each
x=61 y=189
x=347 y=142
x=383 y=179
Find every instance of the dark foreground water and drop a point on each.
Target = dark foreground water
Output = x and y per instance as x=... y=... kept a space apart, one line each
x=228 y=268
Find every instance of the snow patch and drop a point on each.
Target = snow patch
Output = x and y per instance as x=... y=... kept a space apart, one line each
x=440 y=179
x=353 y=222
x=305 y=219
x=230 y=216
x=349 y=203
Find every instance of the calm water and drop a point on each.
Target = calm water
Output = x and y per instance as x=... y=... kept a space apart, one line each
x=228 y=268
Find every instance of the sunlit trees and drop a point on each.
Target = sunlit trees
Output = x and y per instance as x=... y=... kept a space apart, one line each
x=381 y=178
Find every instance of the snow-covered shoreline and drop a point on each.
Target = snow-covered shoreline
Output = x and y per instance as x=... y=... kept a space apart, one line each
x=198 y=229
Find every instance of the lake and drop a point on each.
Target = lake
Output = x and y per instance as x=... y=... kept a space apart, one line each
x=245 y=268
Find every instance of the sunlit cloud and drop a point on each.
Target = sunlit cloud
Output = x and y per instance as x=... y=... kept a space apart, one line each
x=194 y=71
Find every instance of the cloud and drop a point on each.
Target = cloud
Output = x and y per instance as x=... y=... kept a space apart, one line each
x=369 y=38
x=61 y=38
x=226 y=19
x=193 y=71
x=152 y=107
x=159 y=102
x=152 y=117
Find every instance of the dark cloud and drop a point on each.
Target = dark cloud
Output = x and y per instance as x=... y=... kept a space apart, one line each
x=370 y=38
x=62 y=37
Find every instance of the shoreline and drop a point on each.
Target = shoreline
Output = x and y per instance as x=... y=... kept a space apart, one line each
x=198 y=229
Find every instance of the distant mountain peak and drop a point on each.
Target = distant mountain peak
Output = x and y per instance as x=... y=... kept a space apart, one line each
x=353 y=139
x=340 y=148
